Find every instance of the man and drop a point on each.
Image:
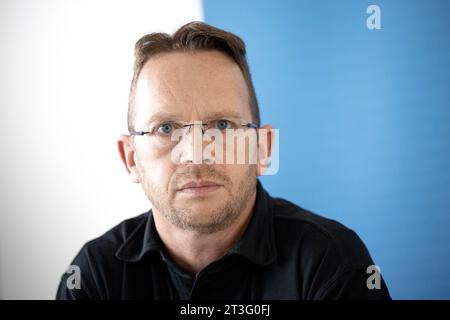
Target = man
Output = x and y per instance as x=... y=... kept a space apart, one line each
x=213 y=232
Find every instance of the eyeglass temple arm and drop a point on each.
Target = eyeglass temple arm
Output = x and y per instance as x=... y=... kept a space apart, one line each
x=138 y=133
x=251 y=125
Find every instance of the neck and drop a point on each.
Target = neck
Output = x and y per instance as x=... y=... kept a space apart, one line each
x=193 y=251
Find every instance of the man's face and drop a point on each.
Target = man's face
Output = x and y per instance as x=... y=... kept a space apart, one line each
x=188 y=87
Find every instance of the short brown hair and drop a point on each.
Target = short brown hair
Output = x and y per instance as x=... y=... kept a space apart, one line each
x=191 y=37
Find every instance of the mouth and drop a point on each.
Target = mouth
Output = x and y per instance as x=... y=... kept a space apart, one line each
x=199 y=187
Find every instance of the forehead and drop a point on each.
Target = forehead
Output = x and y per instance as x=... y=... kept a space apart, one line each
x=191 y=85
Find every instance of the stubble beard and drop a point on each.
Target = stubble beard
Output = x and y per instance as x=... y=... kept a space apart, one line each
x=218 y=218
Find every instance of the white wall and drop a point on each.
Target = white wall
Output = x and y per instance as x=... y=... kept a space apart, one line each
x=65 y=70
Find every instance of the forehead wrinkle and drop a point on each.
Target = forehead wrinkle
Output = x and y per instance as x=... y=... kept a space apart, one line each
x=166 y=94
x=188 y=95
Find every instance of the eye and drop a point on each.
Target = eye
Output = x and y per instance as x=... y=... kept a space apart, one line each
x=223 y=124
x=165 y=128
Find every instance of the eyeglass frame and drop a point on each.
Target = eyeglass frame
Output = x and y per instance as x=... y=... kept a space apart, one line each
x=249 y=125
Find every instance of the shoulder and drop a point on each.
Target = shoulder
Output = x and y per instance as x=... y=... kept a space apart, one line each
x=330 y=260
x=97 y=262
x=109 y=242
x=317 y=236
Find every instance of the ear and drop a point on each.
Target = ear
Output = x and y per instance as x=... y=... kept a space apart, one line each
x=127 y=153
x=265 y=138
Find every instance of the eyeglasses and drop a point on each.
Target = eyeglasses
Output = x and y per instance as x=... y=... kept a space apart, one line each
x=167 y=134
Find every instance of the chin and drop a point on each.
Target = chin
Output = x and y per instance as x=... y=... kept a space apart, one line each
x=205 y=208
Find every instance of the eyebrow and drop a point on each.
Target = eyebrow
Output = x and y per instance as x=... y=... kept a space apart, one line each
x=221 y=114
x=161 y=116
x=164 y=116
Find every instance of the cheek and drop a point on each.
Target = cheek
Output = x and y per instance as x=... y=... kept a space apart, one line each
x=237 y=173
x=156 y=169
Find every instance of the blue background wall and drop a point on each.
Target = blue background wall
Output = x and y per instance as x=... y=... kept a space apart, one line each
x=364 y=119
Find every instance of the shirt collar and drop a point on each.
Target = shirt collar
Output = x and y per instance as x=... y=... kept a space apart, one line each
x=257 y=243
x=144 y=238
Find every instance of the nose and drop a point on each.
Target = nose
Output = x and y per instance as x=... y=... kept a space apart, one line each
x=190 y=149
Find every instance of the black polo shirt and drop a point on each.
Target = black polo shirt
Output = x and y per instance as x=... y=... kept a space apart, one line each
x=286 y=252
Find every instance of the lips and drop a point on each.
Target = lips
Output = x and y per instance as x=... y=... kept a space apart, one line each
x=199 y=187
